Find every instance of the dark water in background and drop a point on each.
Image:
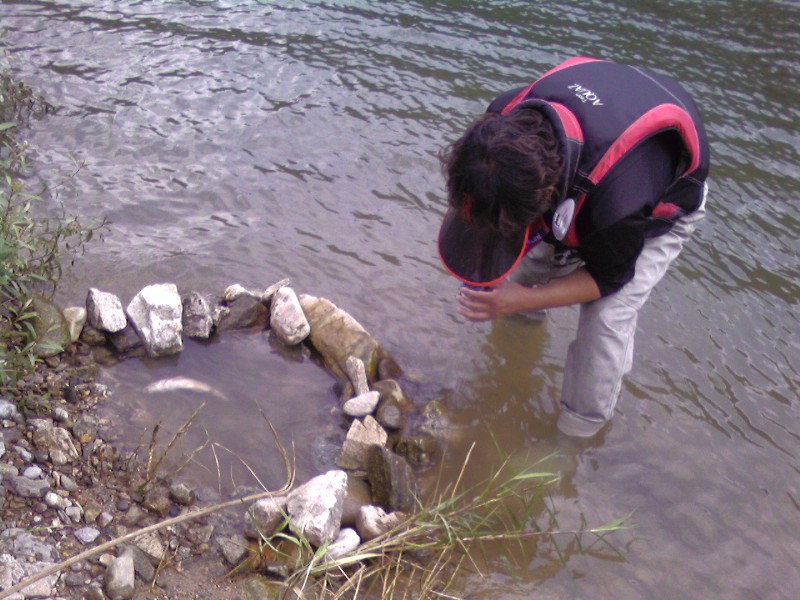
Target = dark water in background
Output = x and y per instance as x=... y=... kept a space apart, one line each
x=250 y=141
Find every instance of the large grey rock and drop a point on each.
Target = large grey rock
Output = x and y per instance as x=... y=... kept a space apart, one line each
x=12 y=571
x=120 y=578
x=336 y=335
x=244 y=312
x=155 y=312
x=105 y=311
x=198 y=318
x=361 y=436
x=392 y=480
x=287 y=318
x=26 y=545
x=52 y=331
x=315 y=508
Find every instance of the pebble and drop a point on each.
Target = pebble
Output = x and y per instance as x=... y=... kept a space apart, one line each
x=8 y=410
x=68 y=483
x=74 y=513
x=24 y=454
x=87 y=535
x=60 y=414
x=33 y=472
x=181 y=494
x=53 y=500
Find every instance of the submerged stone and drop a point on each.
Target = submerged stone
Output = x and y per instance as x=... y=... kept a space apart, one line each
x=52 y=330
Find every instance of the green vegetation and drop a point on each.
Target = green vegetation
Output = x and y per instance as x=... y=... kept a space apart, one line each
x=33 y=238
x=498 y=524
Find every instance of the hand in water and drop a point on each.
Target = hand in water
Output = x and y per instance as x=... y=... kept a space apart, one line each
x=491 y=303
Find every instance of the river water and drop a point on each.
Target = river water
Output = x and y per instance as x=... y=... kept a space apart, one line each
x=242 y=141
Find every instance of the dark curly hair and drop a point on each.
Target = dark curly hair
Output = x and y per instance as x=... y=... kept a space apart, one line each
x=503 y=172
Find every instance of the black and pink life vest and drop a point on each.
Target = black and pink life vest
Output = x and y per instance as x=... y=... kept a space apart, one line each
x=601 y=111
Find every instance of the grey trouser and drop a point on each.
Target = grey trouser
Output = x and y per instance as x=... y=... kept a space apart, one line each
x=602 y=352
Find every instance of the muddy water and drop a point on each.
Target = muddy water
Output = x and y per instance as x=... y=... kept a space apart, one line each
x=250 y=141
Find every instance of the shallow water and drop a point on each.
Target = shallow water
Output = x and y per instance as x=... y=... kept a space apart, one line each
x=251 y=141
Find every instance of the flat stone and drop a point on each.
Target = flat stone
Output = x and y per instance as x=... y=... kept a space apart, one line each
x=87 y=535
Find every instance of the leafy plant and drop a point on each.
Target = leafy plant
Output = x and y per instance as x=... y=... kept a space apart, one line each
x=32 y=243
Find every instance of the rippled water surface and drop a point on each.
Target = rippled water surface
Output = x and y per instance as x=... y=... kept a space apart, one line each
x=243 y=141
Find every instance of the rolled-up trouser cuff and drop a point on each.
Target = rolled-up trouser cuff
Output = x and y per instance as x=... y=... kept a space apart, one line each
x=572 y=424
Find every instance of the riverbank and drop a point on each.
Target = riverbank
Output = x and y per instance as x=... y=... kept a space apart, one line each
x=66 y=489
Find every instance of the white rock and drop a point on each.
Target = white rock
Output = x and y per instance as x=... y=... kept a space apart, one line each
x=315 y=508
x=287 y=318
x=120 y=578
x=76 y=317
x=346 y=541
x=104 y=311
x=362 y=405
x=155 y=312
x=373 y=521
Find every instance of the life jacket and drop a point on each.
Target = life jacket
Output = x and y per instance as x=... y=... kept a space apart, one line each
x=601 y=111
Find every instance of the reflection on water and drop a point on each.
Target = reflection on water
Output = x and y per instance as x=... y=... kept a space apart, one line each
x=249 y=141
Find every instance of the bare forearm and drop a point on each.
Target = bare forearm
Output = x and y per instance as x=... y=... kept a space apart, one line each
x=576 y=288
